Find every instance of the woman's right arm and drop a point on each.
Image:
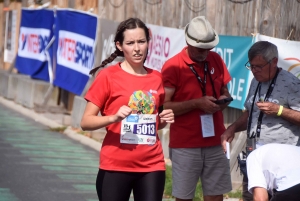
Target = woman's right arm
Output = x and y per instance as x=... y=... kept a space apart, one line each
x=91 y=121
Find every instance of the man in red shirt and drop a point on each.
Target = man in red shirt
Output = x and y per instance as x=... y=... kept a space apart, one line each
x=193 y=80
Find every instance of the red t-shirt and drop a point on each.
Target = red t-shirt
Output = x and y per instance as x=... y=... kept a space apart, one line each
x=113 y=88
x=186 y=131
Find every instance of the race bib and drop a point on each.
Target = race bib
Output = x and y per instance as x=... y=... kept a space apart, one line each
x=207 y=125
x=139 y=129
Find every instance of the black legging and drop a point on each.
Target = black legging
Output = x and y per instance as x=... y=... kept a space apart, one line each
x=117 y=186
x=290 y=194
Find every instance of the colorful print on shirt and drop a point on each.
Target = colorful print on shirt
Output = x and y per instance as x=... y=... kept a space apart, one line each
x=140 y=126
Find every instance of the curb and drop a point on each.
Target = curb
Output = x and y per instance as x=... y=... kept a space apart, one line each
x=29 y=113
x=51 y=123
x=82 y=139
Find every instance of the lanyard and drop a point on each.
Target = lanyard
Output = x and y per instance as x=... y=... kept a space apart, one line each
x=203 y=83
x=259 y=121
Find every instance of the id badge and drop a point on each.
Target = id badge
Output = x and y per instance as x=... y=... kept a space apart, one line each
x=139 y=129
x=207 y=125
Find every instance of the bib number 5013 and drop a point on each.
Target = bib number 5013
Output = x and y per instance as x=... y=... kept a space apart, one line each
x=144 y=129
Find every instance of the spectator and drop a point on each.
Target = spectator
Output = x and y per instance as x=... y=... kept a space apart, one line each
x=274 y=169
x=128 y=95
x=272 y=105
x=194 y=79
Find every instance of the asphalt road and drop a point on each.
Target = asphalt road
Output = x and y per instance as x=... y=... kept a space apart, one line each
x=37 y=164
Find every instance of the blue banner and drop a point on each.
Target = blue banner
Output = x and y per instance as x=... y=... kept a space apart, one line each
x=36 y=32
x=75 y=34
x=234 y=51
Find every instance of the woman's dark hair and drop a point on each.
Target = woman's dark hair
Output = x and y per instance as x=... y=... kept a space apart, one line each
x=130 y=23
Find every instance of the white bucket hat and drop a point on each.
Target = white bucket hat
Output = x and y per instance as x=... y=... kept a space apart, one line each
x=199 y=33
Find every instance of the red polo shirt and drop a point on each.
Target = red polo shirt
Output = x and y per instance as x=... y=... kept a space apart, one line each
x=186 y=132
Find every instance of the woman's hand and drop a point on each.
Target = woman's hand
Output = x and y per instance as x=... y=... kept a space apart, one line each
x=166 y=116
x=92 y=121
x=122 y=113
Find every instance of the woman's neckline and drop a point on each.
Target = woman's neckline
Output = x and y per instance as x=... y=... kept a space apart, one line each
x=128 y=69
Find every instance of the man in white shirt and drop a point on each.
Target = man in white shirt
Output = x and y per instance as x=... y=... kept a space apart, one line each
x=274 y=169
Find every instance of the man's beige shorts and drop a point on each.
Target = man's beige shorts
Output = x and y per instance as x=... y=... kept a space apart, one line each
x=209 y=164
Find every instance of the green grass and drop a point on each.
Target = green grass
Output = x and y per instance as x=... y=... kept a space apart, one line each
x=168 y=182
x=58 y=129
x=235 y=194
x=198 y=194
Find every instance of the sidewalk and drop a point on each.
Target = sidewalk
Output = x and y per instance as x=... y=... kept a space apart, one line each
x=51 y=121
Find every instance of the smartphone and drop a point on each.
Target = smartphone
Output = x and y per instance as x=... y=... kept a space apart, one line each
x=222 y=101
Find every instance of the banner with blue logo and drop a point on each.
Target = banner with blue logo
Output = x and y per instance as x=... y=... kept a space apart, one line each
x=234 y=52
x=75 y=40
x=36 y=32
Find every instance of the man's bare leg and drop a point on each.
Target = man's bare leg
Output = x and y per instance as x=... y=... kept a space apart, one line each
x=177 y=199
x=213 y=198
x=206 y=198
